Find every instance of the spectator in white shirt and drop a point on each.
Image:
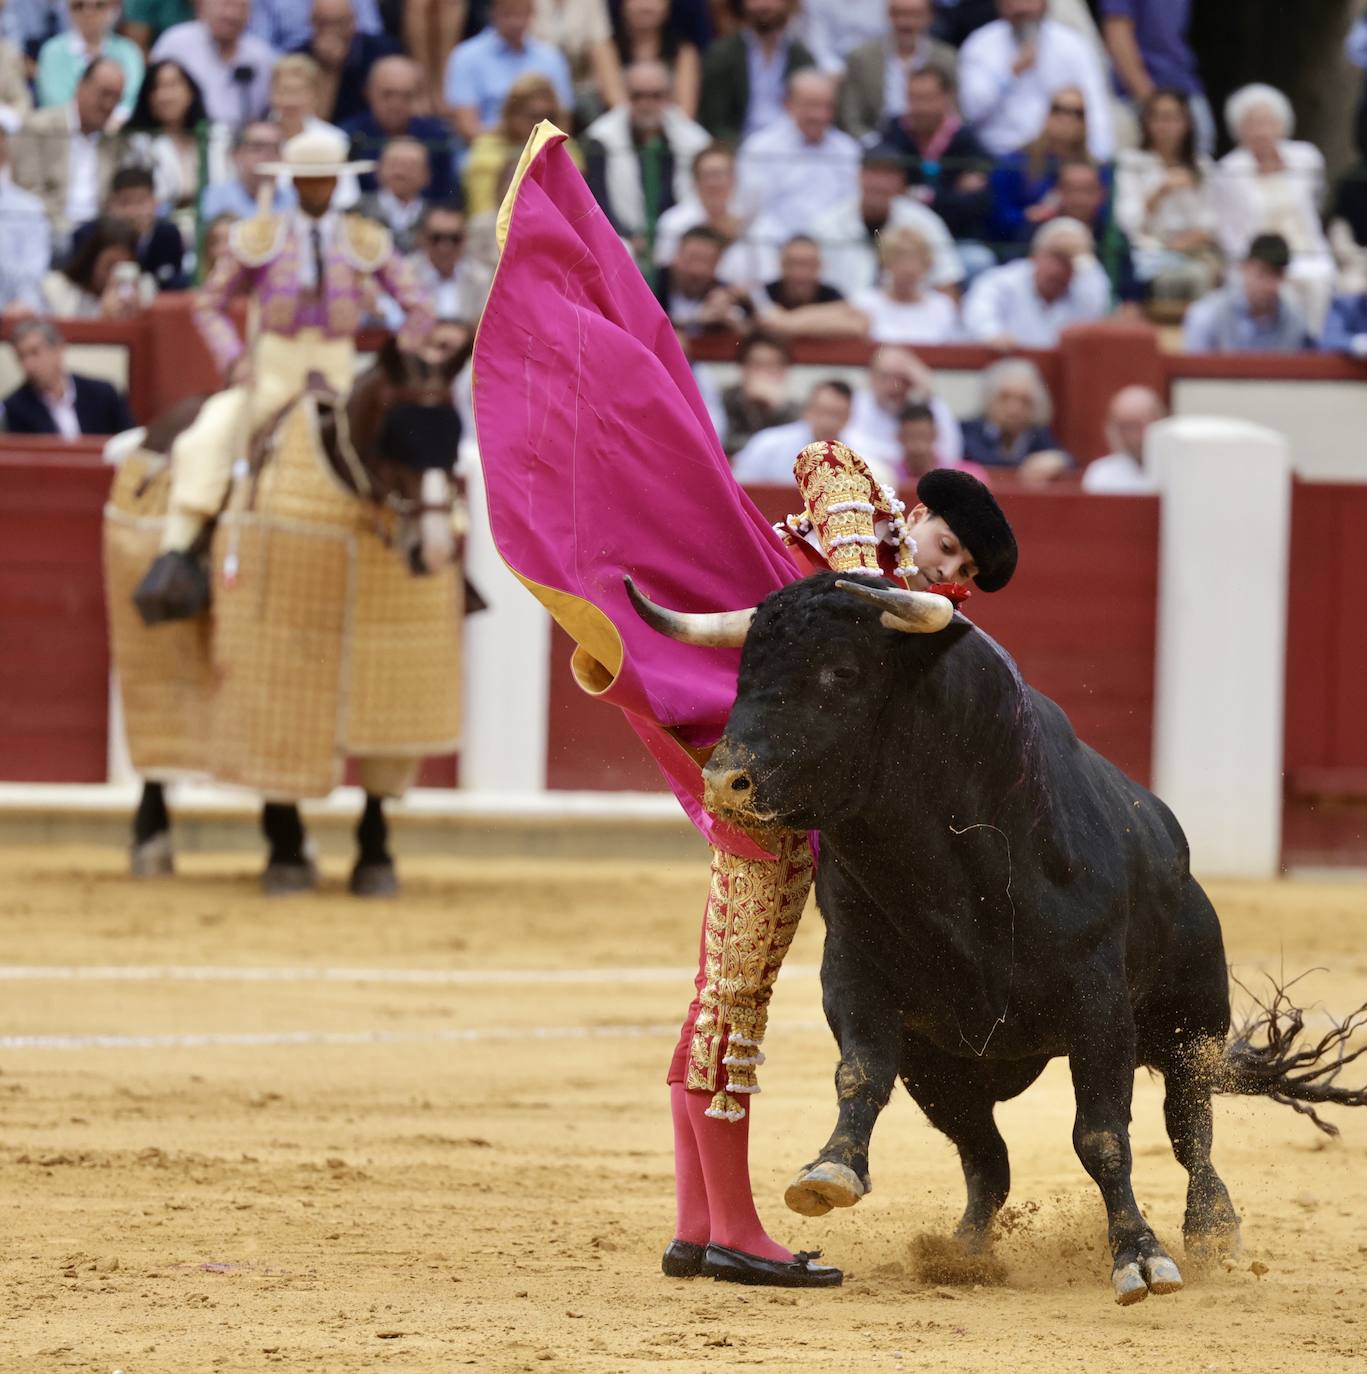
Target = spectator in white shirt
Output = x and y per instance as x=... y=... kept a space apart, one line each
x=1027 y=304
x=231 y=66
x=25 y=236
x=904 y=308
x=768 y=458
x=1121 y=472
x=712 y=203
x=1010 y=68
x=897 y=376
x=455 y=285
x=832 y=29
x=404 y=174
x=849 y=232
x=800 y=165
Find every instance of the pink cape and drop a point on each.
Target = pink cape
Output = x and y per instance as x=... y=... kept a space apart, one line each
x=600 y=460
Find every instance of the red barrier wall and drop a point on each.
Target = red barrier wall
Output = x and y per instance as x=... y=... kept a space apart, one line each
x=1079 y=618
x=1326 y=667
x=54 y=665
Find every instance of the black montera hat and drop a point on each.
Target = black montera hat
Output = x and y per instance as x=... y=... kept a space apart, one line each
x=971 y=511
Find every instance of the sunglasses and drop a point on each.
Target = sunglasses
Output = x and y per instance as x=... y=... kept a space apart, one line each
x=80 y=6
x=1076 y=111
x=447 y=238
x=648 y=95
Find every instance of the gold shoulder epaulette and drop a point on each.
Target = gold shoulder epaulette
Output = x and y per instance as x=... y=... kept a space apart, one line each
x=365 y=243
x=257 y=240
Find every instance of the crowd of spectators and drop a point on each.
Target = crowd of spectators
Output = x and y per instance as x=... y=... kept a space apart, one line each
x=911 y=172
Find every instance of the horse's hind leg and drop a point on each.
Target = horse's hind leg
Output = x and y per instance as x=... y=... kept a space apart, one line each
x=289 y=867
x=374 y=874
x=151 y=855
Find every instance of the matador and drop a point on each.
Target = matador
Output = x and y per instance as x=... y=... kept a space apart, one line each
x=600 y=461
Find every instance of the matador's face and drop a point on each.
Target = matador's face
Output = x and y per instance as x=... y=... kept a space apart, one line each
x=315 y=194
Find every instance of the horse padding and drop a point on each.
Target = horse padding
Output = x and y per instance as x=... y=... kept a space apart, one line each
x=326 y=644
x=164 y=671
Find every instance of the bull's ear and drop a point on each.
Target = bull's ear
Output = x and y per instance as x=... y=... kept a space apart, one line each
x=716 y=630
x=911 y=613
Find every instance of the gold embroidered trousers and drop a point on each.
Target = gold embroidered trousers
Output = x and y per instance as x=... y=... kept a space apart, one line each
x=753 y=907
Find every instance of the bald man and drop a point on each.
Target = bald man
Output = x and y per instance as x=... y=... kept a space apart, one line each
x=791 y=172
x=391 y=93
x=1122 y=472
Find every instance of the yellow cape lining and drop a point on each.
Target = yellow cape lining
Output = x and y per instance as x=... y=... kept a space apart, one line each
x=598 y=658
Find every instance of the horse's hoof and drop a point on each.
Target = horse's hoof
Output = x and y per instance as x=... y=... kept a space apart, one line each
x=816 y=1190
x=1161 y=1274
x=285 y=879
x=153 y=858
x=1129 y=1284
x=374 y=880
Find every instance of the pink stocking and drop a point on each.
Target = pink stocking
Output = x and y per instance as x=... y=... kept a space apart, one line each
x=690 y=1192
x=723 y=1149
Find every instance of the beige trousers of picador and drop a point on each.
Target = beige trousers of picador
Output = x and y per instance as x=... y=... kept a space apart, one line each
x=203 y=455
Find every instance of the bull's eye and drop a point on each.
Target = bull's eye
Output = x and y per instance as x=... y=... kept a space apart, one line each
x=839 y=675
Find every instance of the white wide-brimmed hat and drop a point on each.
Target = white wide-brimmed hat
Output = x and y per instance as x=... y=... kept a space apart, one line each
x=315 y=153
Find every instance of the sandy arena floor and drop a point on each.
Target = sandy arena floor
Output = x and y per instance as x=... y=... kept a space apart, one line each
x=348 y=1169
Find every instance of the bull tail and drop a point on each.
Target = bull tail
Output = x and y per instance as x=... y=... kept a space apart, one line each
x=1267 y=1055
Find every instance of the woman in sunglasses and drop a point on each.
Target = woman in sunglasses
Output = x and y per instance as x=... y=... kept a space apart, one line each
x=65 y=56
x=1023 y=182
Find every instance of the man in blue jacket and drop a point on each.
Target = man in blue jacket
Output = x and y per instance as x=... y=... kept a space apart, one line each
x=52 y=400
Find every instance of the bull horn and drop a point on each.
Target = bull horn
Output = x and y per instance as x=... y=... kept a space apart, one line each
x=913 y=613
x=717 y=630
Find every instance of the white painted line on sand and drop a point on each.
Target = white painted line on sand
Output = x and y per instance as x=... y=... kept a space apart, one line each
x=451 y=977
x=258 y=1039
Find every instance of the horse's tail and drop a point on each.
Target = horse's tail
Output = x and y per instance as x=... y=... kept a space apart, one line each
x=1266 y=1056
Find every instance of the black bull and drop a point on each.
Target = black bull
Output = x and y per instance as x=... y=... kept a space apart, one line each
x=995 y=894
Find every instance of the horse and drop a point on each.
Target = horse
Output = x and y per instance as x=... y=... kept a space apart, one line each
x=390 y=444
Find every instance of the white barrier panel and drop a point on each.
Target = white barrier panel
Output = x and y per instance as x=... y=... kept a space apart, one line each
x=1222 y=607
x=507 y=667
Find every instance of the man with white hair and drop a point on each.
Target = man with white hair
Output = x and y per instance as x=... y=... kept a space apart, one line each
x=1008 y=73
x=1028 y=303
x=1121 y=472
x=789 y=173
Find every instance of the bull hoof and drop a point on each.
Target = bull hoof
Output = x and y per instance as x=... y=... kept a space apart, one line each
x=285 y=879
x=823 y=1186
x=153 y=858
x=1129 y=1284
x=374 y=880
x=1161 y=1274
x=1134 y=1280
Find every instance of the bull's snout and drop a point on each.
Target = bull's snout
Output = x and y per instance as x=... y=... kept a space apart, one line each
x=727 y=782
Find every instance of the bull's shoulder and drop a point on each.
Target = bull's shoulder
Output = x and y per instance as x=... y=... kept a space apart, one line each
x=366 y=244
x=256 y=241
